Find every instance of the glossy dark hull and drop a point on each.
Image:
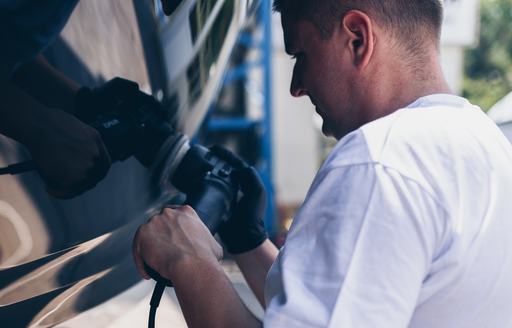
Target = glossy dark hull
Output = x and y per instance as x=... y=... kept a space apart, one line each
x=61 y=258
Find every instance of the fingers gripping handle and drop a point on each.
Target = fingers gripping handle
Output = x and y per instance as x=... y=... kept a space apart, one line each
x=212 y=204
x=210 y=186
x=211 y=197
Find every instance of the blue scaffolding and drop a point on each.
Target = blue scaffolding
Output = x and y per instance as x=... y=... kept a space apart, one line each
x=263 y=44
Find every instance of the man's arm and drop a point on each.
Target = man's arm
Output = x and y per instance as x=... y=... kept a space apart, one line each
x=179 y=247
x=255 y=265
x=69 y=155
x=208 y=299
x=20 y=113
x=244 y=233
x=46 y=84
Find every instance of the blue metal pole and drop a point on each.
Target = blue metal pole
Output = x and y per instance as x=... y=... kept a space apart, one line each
x=266 y=19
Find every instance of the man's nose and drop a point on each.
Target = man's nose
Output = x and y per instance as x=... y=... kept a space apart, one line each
x=296 y=88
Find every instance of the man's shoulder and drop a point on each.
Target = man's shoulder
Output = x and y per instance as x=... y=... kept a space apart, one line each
x=405 y=130
x=433 y=129
x=420 y=142
x=350 y=150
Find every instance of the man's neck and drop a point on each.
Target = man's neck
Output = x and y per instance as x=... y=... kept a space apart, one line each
x=407 y=94
x=401 y=86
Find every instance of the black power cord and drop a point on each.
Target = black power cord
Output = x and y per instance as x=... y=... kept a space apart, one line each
x=161 y=283
x=18 y=168
x=155 y=301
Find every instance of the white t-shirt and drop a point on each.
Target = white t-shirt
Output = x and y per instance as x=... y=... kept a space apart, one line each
x=407 y=224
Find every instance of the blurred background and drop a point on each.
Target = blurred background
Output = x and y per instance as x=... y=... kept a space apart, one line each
x=221 y=70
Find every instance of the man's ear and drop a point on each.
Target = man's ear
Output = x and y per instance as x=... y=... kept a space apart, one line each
x=359 y=28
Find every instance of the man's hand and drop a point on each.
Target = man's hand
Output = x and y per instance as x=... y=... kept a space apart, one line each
x=36 y=106
x=244 y=231
x=178 y=246
x=172 y=240
x=89 y=103
x=69 y=155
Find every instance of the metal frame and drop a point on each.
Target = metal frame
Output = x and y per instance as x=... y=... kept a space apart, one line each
x=240 y=124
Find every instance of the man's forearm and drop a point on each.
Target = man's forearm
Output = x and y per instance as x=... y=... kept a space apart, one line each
x=255 y=265
x=208 y=299
x=20 y=114
x=46 y=84
x=35 y=88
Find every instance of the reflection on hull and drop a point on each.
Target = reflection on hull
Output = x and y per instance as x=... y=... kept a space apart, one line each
x=203 y=57
x=60 y=258
x=55 y=287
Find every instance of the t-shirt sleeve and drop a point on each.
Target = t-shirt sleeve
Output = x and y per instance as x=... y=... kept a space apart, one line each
x=357 y=253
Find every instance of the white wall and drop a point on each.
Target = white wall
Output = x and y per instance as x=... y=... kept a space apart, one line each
x=296 y=140
x=460 y=30
x=452 y=62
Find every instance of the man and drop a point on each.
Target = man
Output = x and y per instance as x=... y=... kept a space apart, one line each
x=38 y=103
x=406 y=223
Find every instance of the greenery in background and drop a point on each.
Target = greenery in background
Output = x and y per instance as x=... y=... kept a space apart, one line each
x=488 y=67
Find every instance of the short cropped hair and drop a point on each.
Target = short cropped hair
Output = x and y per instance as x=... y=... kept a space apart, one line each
x=411 y=21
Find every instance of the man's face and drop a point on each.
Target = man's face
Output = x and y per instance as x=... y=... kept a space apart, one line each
x=324 y=71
